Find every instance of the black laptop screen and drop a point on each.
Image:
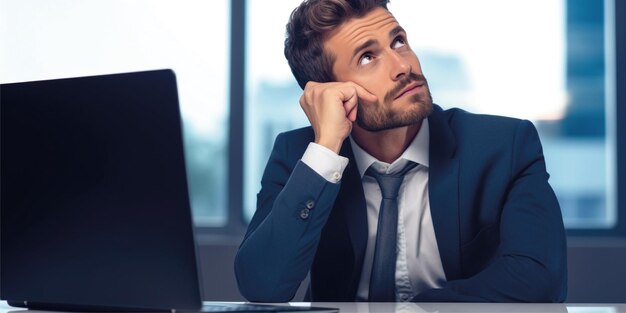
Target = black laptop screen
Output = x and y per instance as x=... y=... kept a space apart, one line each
x=94 y=201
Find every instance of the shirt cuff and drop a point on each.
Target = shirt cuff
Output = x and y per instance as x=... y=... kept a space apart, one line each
x=325 y=162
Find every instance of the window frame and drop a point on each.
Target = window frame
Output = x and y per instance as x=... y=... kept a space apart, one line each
x=619 y=230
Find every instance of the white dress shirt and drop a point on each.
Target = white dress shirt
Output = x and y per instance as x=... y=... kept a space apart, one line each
x=418 y=264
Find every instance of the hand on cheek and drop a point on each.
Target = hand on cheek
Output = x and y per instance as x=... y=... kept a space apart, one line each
x=331 y=109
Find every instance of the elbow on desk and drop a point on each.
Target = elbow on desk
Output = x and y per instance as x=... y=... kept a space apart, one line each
x=554 y=289
x=549 y=283
x=538 y=281
x=258 y=292
x=258 y=286
x=547 y=289
x=511 y=279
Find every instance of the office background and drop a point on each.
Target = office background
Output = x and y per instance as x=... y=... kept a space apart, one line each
x=557 y=63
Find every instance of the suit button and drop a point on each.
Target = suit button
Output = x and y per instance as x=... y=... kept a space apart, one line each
x=310 y=204
x=304 y=214
x=336 y=176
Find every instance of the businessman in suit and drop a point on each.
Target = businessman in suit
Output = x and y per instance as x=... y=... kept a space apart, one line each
x=388 y=197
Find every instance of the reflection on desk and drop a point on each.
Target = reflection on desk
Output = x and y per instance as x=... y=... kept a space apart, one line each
x=365 y=307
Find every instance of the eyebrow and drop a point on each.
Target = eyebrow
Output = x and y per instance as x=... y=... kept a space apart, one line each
x=363 y=46
x=394 y=32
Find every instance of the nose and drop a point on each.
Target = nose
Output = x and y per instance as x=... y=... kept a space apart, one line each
x=400 y=67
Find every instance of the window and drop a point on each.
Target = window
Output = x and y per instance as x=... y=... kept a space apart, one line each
x=555 y=71
x=44 y=40
x=551 y=62
x=271 y=91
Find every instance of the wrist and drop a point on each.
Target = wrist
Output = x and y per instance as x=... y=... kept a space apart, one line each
x=331 y=144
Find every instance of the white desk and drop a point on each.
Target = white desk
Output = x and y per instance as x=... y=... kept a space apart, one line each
x=473 y=307
x=351 y=307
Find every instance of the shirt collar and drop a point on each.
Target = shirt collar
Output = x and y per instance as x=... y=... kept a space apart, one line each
x=417 y=152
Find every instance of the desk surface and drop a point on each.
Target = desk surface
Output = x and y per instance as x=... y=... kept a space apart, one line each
x=473 y=307
x=363 y=307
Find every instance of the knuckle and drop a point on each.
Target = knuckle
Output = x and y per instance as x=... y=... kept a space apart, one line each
x=327 y=92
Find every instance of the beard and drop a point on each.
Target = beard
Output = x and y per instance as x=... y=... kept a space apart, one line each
x=376 y=117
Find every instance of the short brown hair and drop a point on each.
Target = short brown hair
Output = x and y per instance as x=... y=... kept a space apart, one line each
x=308 y=25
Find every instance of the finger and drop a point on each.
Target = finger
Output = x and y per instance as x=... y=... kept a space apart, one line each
x=363 y=94
x=350 y=108
x=349 y=90
x=350 y=104
x=352 y=113
x=353 y=95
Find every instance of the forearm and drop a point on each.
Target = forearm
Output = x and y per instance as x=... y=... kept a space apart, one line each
x=510 y=278
x=277 y=255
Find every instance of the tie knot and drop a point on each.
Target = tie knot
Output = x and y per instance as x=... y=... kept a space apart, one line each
x=390 y=183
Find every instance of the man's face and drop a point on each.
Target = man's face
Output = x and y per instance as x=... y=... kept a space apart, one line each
x=372 y=51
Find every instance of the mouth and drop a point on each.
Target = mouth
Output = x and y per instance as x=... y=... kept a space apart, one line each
x=410 y=89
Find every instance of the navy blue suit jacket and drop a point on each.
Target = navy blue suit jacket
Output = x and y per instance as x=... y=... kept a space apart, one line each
x=497 y=221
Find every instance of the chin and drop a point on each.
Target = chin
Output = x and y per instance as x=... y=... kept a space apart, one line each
x=393 y=120
x=413 y=111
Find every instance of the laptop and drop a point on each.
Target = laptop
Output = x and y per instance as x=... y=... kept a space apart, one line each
x=95 y=212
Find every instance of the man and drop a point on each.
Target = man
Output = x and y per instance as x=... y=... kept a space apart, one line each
x=469 y=216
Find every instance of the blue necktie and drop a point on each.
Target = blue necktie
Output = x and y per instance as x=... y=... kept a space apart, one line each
x=383 y=277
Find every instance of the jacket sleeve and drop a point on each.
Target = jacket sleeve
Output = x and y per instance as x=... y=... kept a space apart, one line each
x=282 y=238
x=530 y=263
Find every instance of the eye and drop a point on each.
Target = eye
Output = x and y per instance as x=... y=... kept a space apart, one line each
x=366 y=59
x=399 y=42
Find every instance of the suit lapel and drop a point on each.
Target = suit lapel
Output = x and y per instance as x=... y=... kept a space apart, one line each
x=444 y=192
x=351 y=200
